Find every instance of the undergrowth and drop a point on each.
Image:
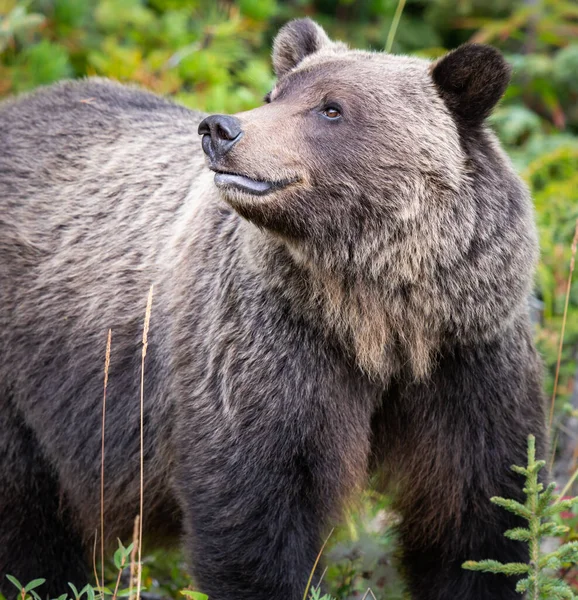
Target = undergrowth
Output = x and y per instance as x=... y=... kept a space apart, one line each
x=539 y=576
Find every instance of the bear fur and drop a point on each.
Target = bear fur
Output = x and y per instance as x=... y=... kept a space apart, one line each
x=368 y=314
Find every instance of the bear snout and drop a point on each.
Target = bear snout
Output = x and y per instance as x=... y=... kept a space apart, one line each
x=220 y=133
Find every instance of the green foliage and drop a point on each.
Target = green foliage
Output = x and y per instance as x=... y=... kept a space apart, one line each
x=539 y=509
x=15 y=23
x=362 y=552
x=553 y=177
x=28 y=590
x=117 y=571
x=316 y=595
x=200 y=51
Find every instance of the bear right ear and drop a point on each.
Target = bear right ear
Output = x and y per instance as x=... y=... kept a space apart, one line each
x=471 y=80
x=296 y=40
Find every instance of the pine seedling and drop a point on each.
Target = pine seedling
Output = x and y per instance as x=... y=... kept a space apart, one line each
x=539 y=509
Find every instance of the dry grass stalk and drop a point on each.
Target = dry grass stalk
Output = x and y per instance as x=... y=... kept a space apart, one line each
x=568 y=286
x=369 y=591
x=94 y=562
x=144 y=353
x=106 y=367
x=307 y=588
x=133 y=569
x=120 y=570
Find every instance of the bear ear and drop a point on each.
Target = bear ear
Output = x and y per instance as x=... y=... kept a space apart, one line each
x=471 y=80
x=296 y=40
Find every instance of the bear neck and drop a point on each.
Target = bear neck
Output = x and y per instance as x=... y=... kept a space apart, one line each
x=371 y=320
x=400 y=320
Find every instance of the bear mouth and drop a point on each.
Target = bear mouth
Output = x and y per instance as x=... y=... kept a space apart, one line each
x=225 y=180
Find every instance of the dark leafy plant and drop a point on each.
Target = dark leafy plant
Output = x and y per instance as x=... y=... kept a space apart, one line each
x=539 y=509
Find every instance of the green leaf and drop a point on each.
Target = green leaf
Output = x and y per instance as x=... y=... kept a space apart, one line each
x=14 y=581
x=88 y=590
x=520 y=534
x=512 y=506
x=493 y=566
x=194 y=595
x=519 y=470
x=546 y=498
x=128 y=549
x=551 y=529
x=120 y=556
x=523 y=585
x=34 y=584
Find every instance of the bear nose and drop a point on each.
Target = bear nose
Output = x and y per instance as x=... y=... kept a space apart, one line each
x=220 y=133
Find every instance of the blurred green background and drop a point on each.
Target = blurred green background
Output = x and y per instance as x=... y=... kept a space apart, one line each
x=214 y=55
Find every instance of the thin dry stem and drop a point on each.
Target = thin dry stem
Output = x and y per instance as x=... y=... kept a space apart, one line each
x=135 y=539
x=318 y=587
x=98 y=585
x=106 y=367
x=568 y=286
x=315 y=565
x=567 y=487
x=553 y=453
x=114 y=594
x=141 y=503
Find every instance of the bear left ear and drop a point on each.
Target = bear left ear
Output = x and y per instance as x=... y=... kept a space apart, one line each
x=296 y=40
x=471 y=80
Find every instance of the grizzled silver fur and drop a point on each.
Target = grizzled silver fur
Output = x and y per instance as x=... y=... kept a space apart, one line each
x=369 y=315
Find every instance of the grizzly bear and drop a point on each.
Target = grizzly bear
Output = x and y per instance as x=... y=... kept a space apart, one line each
x=343 y=291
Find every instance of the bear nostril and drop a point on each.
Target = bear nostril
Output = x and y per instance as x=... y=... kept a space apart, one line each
x=220 y=133
x=206 y=144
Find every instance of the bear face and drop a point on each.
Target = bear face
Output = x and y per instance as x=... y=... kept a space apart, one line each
x=379 y=176
x=349 y=140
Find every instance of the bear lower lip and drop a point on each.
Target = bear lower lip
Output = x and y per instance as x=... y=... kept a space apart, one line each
x=245 y=184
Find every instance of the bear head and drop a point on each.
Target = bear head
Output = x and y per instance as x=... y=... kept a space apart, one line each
x=379 y=175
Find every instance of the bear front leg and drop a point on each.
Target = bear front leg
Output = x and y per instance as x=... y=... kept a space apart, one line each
x=454 y=438
x=265 y=462
x=37 y=534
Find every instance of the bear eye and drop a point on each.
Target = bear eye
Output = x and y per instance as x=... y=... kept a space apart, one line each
x=331 y=112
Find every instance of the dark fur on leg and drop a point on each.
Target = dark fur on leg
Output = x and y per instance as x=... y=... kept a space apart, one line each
x=37 y=538
x=453 y=439
x=277 y=451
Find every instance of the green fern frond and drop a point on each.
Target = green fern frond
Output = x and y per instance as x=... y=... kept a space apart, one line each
x=540 y=506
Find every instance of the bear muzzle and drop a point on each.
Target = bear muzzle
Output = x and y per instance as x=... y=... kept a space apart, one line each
x=220 y=133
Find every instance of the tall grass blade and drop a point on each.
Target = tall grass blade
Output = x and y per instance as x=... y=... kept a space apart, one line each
x=106 y=367
x=394 y=25
x=145 y=334
x=561 y=344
